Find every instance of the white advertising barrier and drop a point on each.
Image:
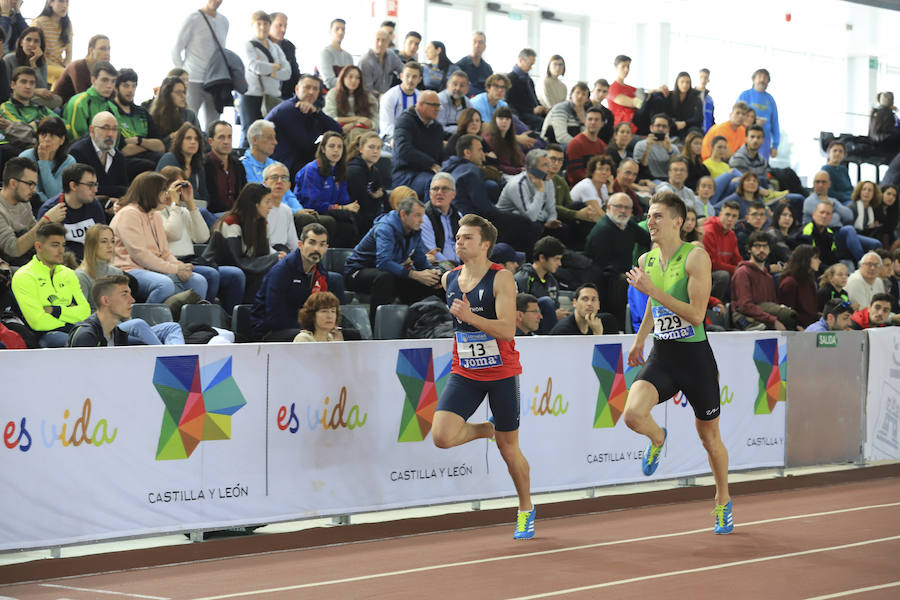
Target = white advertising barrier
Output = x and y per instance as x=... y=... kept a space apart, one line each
x=102 y=443
x=883 y=395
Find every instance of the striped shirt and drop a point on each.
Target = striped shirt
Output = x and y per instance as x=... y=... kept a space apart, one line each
x=52 y=32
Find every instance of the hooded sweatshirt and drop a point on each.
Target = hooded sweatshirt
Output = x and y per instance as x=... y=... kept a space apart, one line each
x=722 y=247
x=751 y=286
x=386 y=247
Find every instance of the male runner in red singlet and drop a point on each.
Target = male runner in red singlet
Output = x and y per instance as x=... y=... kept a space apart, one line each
x=482 y=300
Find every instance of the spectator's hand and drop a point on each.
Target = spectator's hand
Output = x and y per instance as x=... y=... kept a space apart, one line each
x=779 y=326
x=305 y=107
x=352 y=207
x=432 y=256
x=43 y=93
x=462 y=310
x=595 y=323
x=57 y=214
x=554 y=224
x=281 y=254
x=540 y=110
x=4 y=123
x=664 y=90
x=33 y=59
x=775 y=268
x=761 y=121
x=524 y=139
x=275 y=67
x=720 y=308
x=307 y=211
x=562 y=313
x=493 y=154
x=337 y=335
x=773 y=152
x=48 y=310
x=589 y=213
x=117 y=205
x=184 y=272
x=377 y=193
x=436 y=168
x=635 y=355
x=427 y=277
x=680 y=125
x=667 y=142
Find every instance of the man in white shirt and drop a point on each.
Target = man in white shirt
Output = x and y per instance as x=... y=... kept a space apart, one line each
x=865 y=282
x=399 y=98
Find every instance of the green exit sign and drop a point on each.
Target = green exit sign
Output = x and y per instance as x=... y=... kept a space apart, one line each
x=873 y=62
x=826 y=339
x=515 y=16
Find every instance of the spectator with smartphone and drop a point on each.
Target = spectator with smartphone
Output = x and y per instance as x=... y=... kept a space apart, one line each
x=656 y=150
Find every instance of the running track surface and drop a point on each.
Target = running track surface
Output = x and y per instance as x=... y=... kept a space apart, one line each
x=828 y=542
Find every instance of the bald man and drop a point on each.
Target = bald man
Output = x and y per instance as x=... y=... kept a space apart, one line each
x=821 y=184
x=98 y=149
x=418 y=144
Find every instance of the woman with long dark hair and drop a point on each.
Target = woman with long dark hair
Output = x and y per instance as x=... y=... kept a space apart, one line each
x=51 y=153
x=500 y=138
x=685 y=108
x=437 y=67
x=888 y=214
x=783 y=232
x=54 y=21
x=30 y=51
x=617 y=149
x=169 y=109
x=142 y=249
x=693 y=143
x=865 y=202
x=322 y=186
x=553 y=90
x=797 y=288
x=185 y=153
x=240 y=238
x=350 y=103
x=468 y=121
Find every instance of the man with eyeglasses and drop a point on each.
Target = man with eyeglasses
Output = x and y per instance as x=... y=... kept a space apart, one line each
x=17 y=223
x=418 y=144
x=753 y=298
x=82 y=211
x=610 y=246
x=492 y=97
x=835 y=317
x=441 y=222
x=99 y=151
x=864 y=283
x=528 y=315
x=81 y=108
x=275 y=177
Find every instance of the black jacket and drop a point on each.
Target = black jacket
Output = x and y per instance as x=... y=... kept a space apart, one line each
x=89 y=334
x=113 y=183
x=417 y=146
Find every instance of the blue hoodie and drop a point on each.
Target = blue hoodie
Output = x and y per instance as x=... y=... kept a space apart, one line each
x=386 y=247
x=317 y=192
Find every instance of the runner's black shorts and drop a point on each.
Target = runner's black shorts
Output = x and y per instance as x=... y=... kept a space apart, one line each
x=689 y=367
x=463 y=396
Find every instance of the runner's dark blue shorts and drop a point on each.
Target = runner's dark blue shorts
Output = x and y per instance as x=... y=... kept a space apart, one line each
x=463 y=396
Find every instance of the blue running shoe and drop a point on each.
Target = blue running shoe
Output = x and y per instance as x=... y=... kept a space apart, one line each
x=525 y=524
x=652 y=456
x=724 y=518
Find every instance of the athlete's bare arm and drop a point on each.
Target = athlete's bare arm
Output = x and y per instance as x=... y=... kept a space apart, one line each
x=636 y=354
x=698 y=268
x=504 y=326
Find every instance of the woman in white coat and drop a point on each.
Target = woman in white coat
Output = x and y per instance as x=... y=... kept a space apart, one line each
x=266 y=68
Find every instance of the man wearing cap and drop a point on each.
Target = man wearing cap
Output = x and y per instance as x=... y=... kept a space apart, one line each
x=508 y=257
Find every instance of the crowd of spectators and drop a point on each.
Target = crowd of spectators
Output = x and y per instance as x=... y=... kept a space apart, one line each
x=106 y=201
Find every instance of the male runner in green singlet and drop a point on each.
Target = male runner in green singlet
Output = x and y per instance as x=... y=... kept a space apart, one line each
x=677 y=277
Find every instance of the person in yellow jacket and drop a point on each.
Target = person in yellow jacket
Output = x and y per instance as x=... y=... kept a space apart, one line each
x=47 y=292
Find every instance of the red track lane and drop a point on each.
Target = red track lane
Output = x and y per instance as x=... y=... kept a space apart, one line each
x=555 y=561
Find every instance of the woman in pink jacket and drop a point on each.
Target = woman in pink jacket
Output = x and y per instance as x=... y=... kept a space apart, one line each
x=141 y=246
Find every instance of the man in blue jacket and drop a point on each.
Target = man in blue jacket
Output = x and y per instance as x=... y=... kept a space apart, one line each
x=298 y=124
x=390 y=261
x=288 y=284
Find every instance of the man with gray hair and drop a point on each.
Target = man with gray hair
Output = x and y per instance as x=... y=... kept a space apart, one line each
x=378 y=66
x=276 y=177
x=441 y=222
x=521 y=95
x=262 y=140
x=390 y=261
x=841 y=215
x=864 y=283
x=453 y=100
x=98 y=150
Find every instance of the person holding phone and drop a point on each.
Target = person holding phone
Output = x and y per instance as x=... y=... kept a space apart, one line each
x=656 y=150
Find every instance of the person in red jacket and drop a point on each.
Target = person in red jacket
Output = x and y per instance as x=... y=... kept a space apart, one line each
x=753 y=301
x=877 y=314
x=721 y=245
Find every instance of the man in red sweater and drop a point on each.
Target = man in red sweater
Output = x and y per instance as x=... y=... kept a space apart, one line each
x=721 y=245
x=753 y=301
x=584 y=145
x=877 y=314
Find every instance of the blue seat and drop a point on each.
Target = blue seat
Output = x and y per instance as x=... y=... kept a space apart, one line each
x=389 y=320
x=205 y=314
x=153 y=314
x=240 y=323
x=358 y=317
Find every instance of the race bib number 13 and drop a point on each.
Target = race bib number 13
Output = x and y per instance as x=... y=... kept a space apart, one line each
x=669 y=326
x=477 y=350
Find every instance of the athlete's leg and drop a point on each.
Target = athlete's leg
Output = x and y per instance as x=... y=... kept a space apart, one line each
x=508 y=444
x=448 y=430
x=718 y=456
x=642 y=397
